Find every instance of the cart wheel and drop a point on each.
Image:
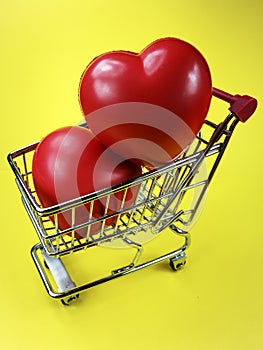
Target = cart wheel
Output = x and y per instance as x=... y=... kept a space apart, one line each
x=70 y=299
x=178 y=262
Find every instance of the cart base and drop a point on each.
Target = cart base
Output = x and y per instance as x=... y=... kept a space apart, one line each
x=54 y=273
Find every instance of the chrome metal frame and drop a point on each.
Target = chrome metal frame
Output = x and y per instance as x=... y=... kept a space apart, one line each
x=158 y=207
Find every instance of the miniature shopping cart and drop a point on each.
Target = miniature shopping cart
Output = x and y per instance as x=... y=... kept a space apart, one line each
x=169 y=199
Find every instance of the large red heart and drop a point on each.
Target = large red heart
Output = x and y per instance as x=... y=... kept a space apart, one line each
x=148 y=105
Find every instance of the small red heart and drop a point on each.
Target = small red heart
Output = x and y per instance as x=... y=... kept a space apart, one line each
x=70 y=162
x=149 y=105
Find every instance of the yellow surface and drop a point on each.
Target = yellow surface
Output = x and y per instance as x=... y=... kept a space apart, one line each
x=216 y=301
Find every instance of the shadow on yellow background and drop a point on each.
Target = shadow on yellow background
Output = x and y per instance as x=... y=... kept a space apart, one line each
x=215 y=302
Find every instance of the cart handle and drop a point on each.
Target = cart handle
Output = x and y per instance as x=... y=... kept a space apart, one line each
x=242 y=106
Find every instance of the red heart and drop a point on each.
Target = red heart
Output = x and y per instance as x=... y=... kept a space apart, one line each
x=148 y=105
x=70 y=162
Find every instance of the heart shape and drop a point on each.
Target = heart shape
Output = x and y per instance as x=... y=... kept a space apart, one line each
x=70 y=162
x=147 y=106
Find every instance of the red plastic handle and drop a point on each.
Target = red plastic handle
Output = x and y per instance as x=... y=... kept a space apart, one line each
x=242 y=106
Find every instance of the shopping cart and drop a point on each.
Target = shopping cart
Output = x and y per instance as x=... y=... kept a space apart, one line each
x=169 y=199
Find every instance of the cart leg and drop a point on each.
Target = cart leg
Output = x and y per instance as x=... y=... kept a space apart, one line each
x=61 y=277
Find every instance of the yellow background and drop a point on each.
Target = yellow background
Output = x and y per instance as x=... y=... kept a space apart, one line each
x=216 y=301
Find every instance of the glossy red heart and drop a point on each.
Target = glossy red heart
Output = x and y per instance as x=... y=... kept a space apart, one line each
x=147 y=106
x=70 y=162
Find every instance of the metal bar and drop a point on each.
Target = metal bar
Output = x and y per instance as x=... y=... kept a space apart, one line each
x=223 y=147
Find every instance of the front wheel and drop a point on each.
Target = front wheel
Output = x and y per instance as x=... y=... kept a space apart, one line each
x=67 y=301
x=178 y=262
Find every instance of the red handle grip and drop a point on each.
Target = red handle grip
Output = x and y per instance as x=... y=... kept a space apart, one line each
x=242 y=106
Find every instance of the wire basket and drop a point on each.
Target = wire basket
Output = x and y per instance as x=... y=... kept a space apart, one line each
x=169 y=197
